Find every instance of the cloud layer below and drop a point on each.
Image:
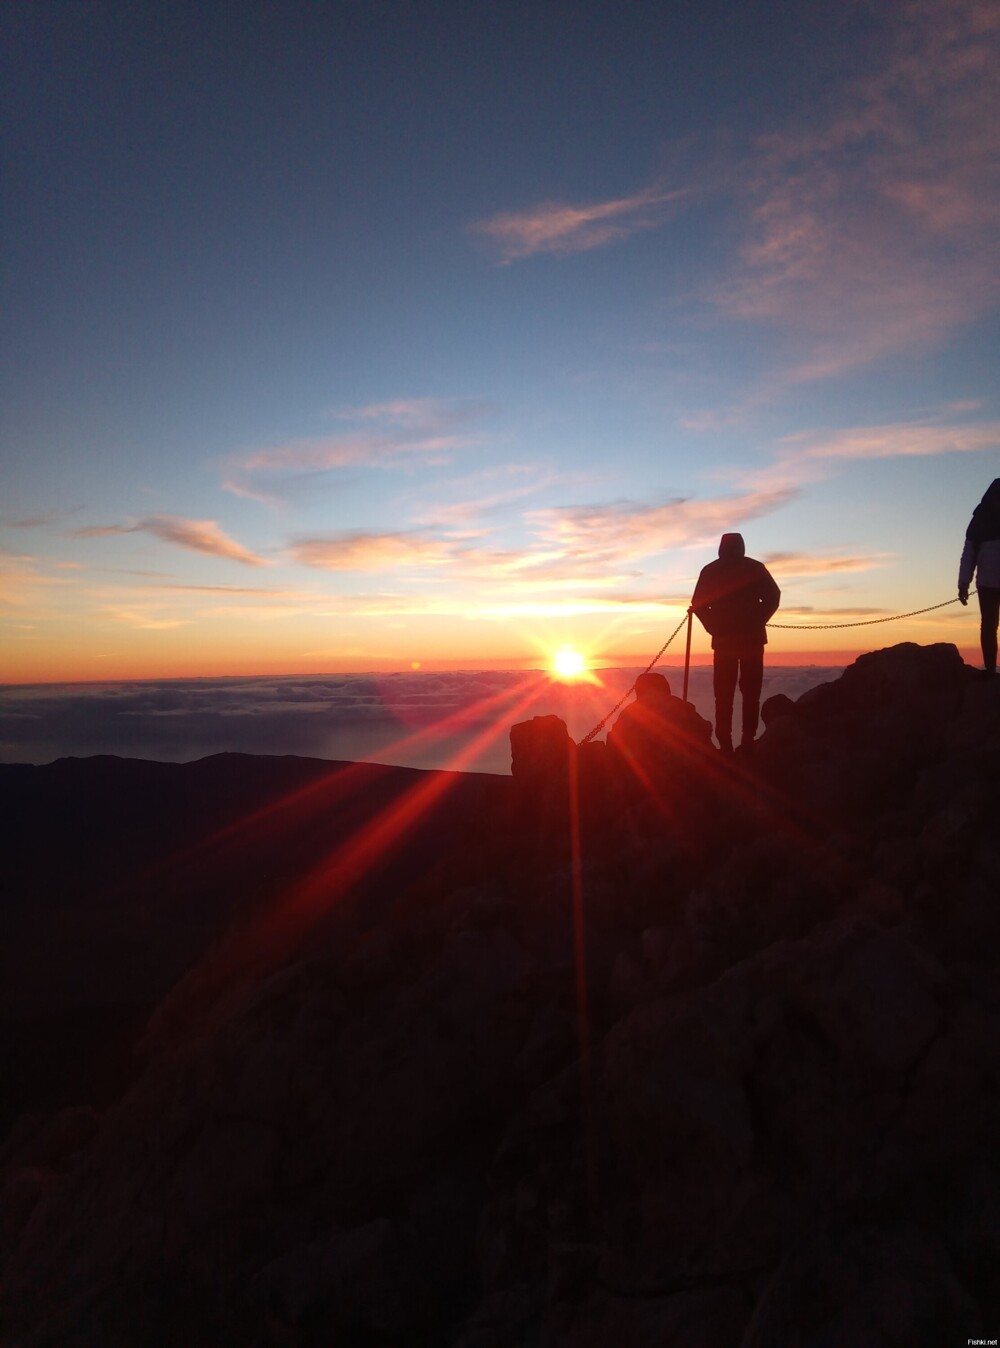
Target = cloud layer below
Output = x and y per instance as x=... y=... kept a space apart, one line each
x=413 y=720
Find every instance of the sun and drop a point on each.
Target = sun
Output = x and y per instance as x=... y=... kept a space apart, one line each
x=568 y=663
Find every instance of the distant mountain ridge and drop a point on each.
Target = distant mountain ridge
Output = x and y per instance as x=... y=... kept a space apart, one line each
x=412 y=1068
x=345 y=717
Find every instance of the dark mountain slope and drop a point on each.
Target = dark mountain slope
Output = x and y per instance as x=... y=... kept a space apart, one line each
x=728 y=1080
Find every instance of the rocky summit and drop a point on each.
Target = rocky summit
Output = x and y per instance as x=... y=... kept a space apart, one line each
x=332 y=1055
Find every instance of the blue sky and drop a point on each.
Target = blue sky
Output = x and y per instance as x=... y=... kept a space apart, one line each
x=353 y=336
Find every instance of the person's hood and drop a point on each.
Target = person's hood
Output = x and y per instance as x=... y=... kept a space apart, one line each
x=732 y=547
x=985 y=522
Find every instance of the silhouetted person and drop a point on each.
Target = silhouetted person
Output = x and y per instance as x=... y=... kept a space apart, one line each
x=981 y=558
x=656 y=733
x=733 y=600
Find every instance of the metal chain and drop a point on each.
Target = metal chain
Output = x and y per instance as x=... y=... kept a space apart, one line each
x=621 y=702
x=780 y=627
x=868 y=622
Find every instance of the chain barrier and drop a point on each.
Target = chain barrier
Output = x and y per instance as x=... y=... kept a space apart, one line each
x=868 y=622
x=621 y=702
x=779 y=627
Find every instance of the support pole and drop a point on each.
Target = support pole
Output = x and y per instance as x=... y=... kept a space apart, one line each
x=687 y=655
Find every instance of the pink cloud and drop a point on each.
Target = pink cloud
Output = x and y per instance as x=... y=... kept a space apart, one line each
x=348 y=451
x=22 y=585
x=594 y=547
x=875 y=230
x=370 y=552
x=631 y=531
x=484 y=494
x=198 y=535
x=556 y=227
x=785 y=565
x=417 y=431
x=143 y=622
x=413 y=412
x=902 y=440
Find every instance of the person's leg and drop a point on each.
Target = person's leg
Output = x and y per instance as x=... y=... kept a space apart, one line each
x=989 y=620
x=724 y=674
x=751 y=679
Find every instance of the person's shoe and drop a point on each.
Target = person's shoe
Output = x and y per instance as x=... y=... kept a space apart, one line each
x=746 y=748
x=725 y=744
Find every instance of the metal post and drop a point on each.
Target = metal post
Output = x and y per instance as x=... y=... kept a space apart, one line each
x=687 y=654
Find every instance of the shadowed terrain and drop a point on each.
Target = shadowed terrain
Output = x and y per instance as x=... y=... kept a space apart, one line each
x=311 y=1053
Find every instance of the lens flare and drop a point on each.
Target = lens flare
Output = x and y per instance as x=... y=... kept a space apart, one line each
x=568 y=663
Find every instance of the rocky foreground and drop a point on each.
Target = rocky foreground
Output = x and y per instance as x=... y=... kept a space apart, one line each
x=448 y=1062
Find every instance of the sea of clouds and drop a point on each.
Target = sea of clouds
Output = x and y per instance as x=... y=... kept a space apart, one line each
x=455 y=719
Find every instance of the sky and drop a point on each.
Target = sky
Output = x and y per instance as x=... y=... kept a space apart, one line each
x=376 y=337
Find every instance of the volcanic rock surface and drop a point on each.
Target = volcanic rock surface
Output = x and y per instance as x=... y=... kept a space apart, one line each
x=403 y=1058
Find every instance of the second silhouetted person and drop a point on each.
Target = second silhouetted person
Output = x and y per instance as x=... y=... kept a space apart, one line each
x=734 y=600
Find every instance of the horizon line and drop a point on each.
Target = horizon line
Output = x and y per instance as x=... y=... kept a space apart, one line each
x=825 y=659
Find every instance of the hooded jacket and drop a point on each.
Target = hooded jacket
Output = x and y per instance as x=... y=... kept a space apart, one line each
x=735 y=598
x=981 y=554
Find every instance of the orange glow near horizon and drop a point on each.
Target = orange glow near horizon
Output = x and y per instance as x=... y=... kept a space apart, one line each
x=77 y=647
x=262 y=665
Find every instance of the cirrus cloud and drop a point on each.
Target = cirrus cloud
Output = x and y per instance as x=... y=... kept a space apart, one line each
x=360 y=551
x=406 y=431
x=899 y=440
x=631 y=530
x=868 y=224
x=798 y=565
x=198 y=535
x=560 y=228
x=873 y=229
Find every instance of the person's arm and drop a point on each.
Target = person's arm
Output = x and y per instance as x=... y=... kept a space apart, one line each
x=966 y=569
x=770 y=595
x=700 y=606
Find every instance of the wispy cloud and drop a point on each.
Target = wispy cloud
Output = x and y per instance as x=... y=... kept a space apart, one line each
x=810 y=456
x=870 y=220
x=594 y=548
x=371 y=552
x=24 y=585
x=405 y=432
x=874 y=230
x=472 y=503
x=561 y=228
x=255 y=590
x=900 y=440
x=18 y=580
x=629 y=531
x=42 y=520
x=786 y=565
x=198 y=535
x=843 y=613
x=412 y=413
x=143 y=622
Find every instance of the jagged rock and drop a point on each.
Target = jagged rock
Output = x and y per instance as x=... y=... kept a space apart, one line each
x=879 y=1008
x=694 y=1319
x=541 y=751
x=871 y=1287
x=773 y=708
x=853 y=744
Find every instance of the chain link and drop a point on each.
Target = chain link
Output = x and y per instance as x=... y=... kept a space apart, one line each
x=868 y=622
x=621 y=702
